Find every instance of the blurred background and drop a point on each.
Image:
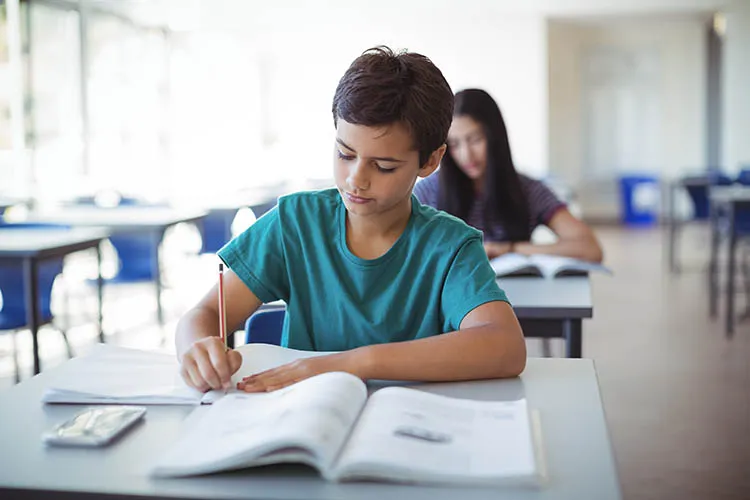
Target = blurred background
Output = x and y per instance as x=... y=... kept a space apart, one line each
x=169 y=99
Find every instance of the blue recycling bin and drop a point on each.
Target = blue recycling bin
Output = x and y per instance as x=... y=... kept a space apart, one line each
x=640 y=200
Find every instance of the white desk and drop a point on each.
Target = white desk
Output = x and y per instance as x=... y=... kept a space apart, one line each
x=119 y=220
x=30 y=246
x=545 y=308
x=565 y=391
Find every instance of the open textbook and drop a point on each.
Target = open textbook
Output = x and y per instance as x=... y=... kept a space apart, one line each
x=398 y=434
x=118 y=375
x=548 y=266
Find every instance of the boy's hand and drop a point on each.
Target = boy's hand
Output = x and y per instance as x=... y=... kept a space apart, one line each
x=290 y=373
x=209 y=365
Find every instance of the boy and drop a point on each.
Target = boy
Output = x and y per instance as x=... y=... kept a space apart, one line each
x=404 y=291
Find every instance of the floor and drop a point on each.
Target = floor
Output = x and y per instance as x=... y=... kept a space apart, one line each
x=676 y=391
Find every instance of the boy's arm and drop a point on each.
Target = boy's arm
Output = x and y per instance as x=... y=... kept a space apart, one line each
x=489 y=344
x=205 y=363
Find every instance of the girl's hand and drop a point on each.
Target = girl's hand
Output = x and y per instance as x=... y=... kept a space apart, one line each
x=496 y=249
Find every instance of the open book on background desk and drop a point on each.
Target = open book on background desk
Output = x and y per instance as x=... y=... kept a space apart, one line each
x=398 y=434
x=548 y=266
x=119 y=375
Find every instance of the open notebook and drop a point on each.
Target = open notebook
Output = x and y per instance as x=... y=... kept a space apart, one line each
x=398 y=434
x=548 y=266
x=109 y=374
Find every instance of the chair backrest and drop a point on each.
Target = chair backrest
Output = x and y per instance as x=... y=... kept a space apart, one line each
x=264 y=327
x=744 y=177
x=698 y=191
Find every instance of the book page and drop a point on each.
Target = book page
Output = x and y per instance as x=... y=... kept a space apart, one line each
x=112 y=374
x=555 y=265
x=307 y=422
x=409 y=435
x=257 y=358
x=513 y=264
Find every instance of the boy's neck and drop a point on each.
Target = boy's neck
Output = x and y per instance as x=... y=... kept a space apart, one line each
x=371 y=237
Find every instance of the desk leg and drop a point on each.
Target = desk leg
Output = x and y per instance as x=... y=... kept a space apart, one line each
x=99 y=293
x=713 y=264
x=731 y=271
x=157 y=277
x=572 y=330
x=672 y=236
x=31 y=280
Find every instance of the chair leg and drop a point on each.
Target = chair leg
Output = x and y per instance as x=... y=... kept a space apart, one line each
x=17 y=376
x=67 y=344
x=745 y=264
x=546 y=348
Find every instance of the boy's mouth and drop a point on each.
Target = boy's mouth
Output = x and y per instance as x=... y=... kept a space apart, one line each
x=357 y=199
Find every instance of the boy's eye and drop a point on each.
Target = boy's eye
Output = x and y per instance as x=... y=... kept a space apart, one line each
x=344 y=156
x=385 y=170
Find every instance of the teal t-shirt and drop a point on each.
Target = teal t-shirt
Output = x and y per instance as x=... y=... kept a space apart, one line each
x=435 y=273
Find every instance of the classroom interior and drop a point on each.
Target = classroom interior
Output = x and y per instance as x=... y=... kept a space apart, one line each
x=621 y=107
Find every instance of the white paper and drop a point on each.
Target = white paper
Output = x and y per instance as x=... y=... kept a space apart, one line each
x=409 y=435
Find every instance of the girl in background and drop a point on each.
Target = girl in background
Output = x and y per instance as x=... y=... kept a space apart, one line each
x=478 y=183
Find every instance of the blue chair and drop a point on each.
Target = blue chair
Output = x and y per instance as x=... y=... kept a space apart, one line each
x=13 y=291
x=135 y=251
x=264 y=327
x=216 y=229
x=744 y=177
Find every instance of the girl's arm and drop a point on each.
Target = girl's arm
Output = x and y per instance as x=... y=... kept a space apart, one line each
x=575 y=239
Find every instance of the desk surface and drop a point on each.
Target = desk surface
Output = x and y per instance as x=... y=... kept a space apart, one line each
x=118 y=218
x=536 y=297
x=565 y=391
x=725 y=194
x=41 y=242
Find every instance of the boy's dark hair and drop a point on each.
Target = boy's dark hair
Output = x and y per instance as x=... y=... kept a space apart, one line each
x=382 y=87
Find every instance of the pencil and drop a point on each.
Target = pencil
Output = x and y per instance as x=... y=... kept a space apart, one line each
x=222 y=308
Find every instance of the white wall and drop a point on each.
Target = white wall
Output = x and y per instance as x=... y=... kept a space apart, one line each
x=680 y=45
x=302 y=49
x=736 y=87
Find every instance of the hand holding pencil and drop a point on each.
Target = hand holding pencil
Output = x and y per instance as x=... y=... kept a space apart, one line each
x=209 y=363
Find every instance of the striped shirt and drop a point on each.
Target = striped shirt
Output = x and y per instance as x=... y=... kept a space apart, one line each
x=542 y=205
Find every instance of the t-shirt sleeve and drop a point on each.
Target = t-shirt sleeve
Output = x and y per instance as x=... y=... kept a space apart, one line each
x=470 y=282
x=257 y=257
x=426 y=190
x=543 y=203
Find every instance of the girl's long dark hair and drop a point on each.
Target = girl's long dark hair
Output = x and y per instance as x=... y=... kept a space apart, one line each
x=503 y=199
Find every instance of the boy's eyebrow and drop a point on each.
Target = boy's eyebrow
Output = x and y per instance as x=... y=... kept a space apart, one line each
x=379 y=158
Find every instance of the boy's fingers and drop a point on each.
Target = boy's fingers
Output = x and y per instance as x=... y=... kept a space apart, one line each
x=218 y=355
x=207 y=371
x=235 y=361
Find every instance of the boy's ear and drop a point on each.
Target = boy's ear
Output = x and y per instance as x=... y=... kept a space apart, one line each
x=432 y=162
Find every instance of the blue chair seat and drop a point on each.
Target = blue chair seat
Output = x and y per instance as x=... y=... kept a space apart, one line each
x=265 y=327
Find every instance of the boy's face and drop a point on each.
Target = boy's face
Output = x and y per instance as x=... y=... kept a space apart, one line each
x=375 y=168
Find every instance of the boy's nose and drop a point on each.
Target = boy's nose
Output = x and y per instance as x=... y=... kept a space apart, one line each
x=358 y=179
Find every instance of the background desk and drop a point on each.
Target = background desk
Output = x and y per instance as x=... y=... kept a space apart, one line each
x=565 y=391
x=153 y=221
x=30 y=246
x=545 y=308
x=725 y=201
x=551 y=308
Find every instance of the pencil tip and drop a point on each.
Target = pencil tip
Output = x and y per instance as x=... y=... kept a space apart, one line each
x=221 y=266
